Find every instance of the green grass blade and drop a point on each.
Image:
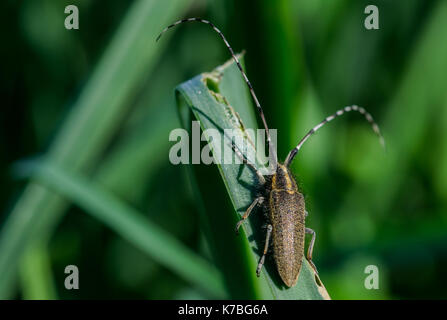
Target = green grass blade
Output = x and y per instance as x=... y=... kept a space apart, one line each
x=129 y=224
x=87 y=131
x=35 y=274
x=212 y=99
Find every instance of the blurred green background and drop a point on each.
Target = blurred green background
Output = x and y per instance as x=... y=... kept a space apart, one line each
x=98 y=104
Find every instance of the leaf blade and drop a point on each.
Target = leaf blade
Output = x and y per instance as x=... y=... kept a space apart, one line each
x=214 y=106
x=129 y=224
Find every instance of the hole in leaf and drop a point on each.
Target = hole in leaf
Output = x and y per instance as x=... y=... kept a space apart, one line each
x=212 y=84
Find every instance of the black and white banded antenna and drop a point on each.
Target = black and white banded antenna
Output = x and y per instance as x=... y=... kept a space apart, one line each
x=258 y=105
x=340 y=112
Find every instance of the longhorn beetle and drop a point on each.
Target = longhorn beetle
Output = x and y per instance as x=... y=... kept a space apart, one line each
x=280 y=196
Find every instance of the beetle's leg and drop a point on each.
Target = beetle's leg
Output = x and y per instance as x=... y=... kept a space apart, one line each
x=266 y=247
x=248 y=163
x=249 y=210
x=310 y=249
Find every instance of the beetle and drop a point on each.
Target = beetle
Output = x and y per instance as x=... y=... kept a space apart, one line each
x=285 y=205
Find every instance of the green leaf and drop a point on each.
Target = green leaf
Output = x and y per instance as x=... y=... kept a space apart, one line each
x=220 y=100
x=129 y=224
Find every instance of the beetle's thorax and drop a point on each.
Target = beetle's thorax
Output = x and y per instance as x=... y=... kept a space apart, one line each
x=283 y=179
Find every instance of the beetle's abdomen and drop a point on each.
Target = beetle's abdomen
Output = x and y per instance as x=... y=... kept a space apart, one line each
x=287 y=218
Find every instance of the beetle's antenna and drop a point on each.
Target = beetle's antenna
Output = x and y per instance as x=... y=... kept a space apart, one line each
x=258 y=105
x=367 y=115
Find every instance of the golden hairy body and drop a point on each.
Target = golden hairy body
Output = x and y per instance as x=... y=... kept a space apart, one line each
x=286 y=215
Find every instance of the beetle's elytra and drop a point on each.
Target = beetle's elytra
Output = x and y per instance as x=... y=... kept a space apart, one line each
x=280 y=196
x=287 y=213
